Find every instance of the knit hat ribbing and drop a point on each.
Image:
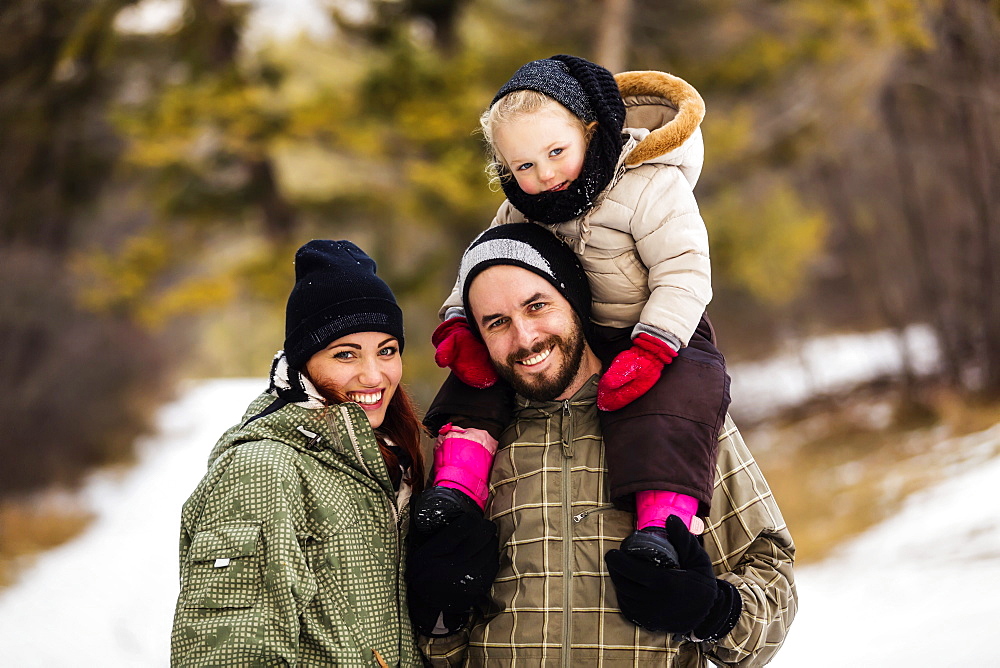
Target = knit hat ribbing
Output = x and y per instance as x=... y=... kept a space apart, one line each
x=336 y=293
x=530 y=247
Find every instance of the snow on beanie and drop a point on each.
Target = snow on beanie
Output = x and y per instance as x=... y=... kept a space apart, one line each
x=336 y=293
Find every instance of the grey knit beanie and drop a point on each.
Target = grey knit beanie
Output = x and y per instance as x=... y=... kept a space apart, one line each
x=530 y=247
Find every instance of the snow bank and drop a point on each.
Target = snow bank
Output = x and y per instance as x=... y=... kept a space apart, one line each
x=107 y=598
x=920 y=589
x=826 y=365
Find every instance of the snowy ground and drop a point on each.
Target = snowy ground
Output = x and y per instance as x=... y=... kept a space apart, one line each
x=107 y=598
x=918 y=590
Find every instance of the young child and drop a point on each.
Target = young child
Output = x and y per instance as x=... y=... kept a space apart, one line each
x=607 y=164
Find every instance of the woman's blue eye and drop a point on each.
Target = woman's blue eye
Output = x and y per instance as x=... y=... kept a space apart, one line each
x=388 y=351
x=343 y=355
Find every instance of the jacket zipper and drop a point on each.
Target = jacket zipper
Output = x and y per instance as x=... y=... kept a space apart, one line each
x=590 y=511
x=354 y=438
x=567 y=444
x=389 y=502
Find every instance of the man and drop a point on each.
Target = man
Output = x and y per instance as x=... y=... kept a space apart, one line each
x=566 y=590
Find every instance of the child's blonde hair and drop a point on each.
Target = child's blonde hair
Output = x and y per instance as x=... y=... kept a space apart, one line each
x=510 y=107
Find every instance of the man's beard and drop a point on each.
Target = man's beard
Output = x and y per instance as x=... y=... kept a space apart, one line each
x=546 y=388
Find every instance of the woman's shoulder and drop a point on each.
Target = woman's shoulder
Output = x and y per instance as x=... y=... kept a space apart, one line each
x=258 y=460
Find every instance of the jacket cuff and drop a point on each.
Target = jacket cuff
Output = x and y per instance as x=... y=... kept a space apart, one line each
x=723 y=616
x=668 y=338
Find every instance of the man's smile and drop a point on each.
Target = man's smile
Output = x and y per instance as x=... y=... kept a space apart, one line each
x=537 y=358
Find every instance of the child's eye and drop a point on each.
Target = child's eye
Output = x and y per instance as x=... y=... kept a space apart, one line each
x=523 y=167
x=555 y=151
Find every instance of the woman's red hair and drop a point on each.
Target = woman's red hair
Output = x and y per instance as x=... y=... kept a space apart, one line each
x=402 y=427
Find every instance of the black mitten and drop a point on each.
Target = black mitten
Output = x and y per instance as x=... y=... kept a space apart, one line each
x=688 y=599
x=449 y=570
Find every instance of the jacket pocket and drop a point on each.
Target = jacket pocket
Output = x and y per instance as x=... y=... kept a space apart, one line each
x=223 y=567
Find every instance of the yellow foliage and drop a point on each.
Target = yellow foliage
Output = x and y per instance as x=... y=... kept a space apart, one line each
x=116 y=282
x=763 y=241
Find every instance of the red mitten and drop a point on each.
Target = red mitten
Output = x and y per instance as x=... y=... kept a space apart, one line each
x=458 y=349
x=633 y=372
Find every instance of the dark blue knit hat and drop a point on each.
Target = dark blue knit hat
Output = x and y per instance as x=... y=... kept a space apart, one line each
x=336 y=293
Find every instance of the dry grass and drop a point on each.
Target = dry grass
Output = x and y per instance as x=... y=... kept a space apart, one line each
x=28 y=528
x=851 y=463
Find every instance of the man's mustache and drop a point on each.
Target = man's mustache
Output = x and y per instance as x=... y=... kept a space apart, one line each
x=524 y=353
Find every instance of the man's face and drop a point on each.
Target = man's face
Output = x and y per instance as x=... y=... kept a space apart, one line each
x=532 y=333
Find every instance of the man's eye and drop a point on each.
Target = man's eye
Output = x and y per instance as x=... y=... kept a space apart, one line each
x=525 y=166
x=496 y=323
x=537 y=306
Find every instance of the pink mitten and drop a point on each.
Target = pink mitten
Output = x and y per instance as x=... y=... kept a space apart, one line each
x=633 y=372
x=458 y=349
x=462 y=461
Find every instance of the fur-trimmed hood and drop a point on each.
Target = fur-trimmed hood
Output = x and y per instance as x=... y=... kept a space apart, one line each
x=663 y=114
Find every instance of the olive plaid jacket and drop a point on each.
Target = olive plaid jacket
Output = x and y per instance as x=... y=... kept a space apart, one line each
x=291 y=547
x=553 y=602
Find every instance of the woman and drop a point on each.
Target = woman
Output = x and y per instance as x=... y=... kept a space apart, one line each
x=291 y=545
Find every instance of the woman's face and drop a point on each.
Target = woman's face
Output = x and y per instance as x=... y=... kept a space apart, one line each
x=365 y=367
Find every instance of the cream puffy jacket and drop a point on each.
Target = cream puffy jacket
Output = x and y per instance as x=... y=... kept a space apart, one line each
x=644 y=244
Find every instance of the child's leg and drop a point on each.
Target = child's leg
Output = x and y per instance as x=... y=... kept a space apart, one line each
x=667 y=439
x=464 y=454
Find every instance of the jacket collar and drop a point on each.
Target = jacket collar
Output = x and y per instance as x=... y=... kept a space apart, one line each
x=339 y=435
x=584 y=397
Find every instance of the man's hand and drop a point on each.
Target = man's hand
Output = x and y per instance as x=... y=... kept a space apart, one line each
x=633 y=372
x=687 y=600
x=458 y=349
x=449 y=571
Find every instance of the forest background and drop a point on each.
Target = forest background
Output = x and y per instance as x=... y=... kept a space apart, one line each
x=163 y=159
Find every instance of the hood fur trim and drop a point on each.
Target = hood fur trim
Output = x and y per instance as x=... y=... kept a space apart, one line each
x=680 y=94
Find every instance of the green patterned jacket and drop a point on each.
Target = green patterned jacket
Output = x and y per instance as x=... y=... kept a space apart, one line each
x=291 y=547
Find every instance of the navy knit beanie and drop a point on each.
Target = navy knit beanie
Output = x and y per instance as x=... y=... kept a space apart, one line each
x=336 y=293
x=530 y=247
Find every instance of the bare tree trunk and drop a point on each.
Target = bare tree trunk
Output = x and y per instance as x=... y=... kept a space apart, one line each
x=867 y=273
x=613 y=31
x=911 y=205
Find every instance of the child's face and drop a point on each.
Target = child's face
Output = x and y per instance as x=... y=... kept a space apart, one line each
x=544 y=150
